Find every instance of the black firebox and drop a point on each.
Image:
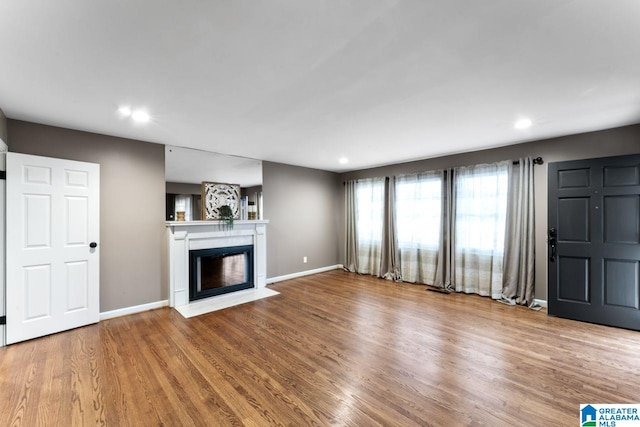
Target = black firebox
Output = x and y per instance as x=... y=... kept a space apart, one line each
x=219 y=271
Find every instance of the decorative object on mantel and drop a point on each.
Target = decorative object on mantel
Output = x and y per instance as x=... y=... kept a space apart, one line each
x=252 y=214
x=215 y=195
x=244 y=208
x=181 y=208
x=226 y=214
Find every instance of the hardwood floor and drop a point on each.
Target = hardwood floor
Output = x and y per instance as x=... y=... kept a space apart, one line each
x=332 y=349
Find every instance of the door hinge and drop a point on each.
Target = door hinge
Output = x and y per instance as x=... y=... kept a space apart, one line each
x=3 y=174
x=3 y=320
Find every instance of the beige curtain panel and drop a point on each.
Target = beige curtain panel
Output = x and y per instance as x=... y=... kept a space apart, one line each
x=519 y=255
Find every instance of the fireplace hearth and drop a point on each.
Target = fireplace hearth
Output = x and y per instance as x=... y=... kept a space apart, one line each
x=217 y=271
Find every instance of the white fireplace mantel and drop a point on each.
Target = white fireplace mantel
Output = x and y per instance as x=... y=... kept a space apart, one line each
x=187 y=235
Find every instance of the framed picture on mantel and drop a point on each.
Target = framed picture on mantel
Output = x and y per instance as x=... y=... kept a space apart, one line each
x=216 y=194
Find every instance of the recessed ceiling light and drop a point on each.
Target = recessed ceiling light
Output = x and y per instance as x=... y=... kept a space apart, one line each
x=140 y=116
x=343 y=160
x=522 y=124
x=125 y=111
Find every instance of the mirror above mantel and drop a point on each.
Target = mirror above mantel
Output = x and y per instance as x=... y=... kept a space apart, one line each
x=186 y=169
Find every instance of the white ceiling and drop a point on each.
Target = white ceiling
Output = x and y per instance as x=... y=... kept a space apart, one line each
x=308 y=82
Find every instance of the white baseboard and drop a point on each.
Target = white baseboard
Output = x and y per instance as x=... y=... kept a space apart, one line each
x=540 y=302
x=132 y=310
x=303 y=273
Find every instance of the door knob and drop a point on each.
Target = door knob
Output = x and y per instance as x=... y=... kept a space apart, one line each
x=93 y=245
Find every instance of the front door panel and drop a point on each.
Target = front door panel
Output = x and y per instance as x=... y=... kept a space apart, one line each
x=594 y=269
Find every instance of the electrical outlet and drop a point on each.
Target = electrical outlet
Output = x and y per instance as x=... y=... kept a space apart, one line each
x=304 y=259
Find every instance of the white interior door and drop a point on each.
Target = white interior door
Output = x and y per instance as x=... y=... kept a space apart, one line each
x=53 y=272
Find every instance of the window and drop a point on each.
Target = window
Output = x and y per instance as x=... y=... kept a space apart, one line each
x=481 y=208
x=419 y=210
x=370 y=210
x=418 y=225
x=369 y=223
x=448 y=227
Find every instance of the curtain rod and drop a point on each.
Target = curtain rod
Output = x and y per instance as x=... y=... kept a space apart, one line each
x=536 y=161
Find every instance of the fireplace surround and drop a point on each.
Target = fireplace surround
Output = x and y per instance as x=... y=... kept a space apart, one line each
x=186 y=236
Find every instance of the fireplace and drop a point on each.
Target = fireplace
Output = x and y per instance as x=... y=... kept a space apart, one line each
x=217 y=271
x=187 y=236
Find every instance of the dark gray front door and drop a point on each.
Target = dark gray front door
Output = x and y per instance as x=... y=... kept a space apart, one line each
x=594 y=240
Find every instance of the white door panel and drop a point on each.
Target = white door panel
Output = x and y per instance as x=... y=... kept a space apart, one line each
x=37 y=221
x=36 y=175
x=77 y=284
x=52 y=273
x=76 y=216
x=77 y=178
x=37 y=291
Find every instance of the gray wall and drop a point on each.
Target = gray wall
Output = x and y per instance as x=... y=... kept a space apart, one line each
x=612 y=142
x=132 y=207
x=3 y=127
x=302 y=207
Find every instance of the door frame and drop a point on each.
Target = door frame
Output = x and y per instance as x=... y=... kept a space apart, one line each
x=3 y=187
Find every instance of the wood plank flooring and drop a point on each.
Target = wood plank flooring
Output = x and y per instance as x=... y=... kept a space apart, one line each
x=333 y=349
